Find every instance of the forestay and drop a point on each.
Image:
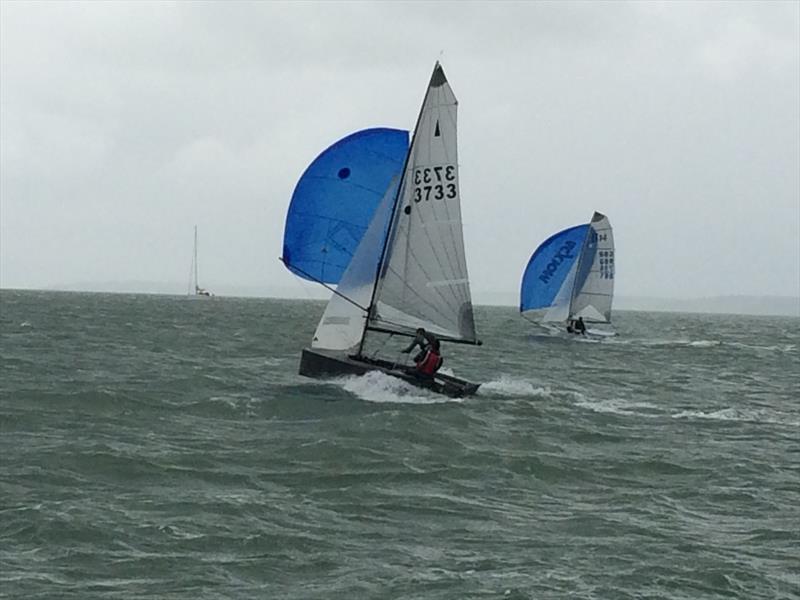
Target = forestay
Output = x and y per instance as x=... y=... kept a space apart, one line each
x=335 y=199
x=423 y=281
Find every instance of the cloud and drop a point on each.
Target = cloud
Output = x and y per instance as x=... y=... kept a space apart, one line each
x=130 y=122
x=740 y=45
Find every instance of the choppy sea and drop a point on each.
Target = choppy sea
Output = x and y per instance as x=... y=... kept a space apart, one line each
x=159 y=447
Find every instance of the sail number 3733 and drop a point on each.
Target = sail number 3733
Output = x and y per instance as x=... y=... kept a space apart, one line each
x=435 y=183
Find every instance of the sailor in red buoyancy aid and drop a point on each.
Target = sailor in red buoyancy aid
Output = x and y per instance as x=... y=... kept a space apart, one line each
x=428 y=360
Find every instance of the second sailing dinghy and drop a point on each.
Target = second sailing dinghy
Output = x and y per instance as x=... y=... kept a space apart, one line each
x=571 y=276
x=409 y=270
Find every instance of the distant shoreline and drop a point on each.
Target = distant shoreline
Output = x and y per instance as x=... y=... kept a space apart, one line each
x=778 y=306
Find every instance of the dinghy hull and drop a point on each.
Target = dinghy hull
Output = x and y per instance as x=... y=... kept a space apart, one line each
x=321 y=363
x=560 y=330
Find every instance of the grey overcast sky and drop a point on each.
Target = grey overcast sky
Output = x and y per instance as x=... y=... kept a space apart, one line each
x=124 y=124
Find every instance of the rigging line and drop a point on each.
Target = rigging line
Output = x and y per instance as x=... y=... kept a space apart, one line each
x=322 y=283
x=382 y=346
x=403 y=329
x=442 y=338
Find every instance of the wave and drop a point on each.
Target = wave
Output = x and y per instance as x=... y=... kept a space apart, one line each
x=620 y=406
x=514 y=387
x=682 y=343
x=375 y=386
x=782 y=348
x=740 y=415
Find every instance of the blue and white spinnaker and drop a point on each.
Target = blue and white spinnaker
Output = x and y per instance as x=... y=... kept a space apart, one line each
x=335 y=199
x=571 y=275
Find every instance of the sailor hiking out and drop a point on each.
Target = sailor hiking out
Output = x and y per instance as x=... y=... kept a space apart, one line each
x=429 y=358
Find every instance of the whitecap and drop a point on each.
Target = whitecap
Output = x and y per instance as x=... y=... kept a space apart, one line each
x=514 y=387
x=618 y=406
x=375 y=386
x=705 y=343
x=682 y=343
x=739 y=415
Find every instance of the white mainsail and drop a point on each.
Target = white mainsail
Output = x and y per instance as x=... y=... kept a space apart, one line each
x=423 y=280
x=592 y=298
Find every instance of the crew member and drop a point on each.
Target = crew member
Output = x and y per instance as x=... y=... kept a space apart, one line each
x=428 y=359
x=580 y=327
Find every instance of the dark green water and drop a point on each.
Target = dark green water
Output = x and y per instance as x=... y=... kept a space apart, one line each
x=157 y=447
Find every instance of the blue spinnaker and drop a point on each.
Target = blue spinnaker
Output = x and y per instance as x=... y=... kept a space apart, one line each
x=549 y=266
x=335 y=199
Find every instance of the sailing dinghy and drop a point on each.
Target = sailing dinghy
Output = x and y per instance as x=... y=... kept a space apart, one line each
x=406 y=269
x=571 y=275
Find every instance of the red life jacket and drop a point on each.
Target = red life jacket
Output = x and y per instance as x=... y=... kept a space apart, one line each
x=430 y=364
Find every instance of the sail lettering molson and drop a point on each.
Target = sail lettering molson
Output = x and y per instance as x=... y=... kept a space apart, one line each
x=562 y=255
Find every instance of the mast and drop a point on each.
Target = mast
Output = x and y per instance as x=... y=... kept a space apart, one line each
x=196 y=280
x=578 y=269
x=393 y=215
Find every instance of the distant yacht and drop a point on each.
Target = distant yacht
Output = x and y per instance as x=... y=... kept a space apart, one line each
x=194 y=282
